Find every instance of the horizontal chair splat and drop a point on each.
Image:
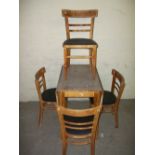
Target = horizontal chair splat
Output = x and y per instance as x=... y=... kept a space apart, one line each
x=79 y=24
x=83 y=30
x=73 y=123
x=79 y=57
x=77 y=128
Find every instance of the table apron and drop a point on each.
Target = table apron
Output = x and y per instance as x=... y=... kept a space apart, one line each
x=80 y=93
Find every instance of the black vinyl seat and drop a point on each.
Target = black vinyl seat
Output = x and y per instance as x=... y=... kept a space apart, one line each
x=49 y=95
x=79 y=41
x=109 y=98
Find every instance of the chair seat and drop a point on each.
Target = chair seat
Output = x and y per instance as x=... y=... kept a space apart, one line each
x=49 y=95
x=109 y=98
x=79 y=41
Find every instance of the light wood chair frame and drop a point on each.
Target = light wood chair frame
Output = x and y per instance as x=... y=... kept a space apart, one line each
x=79 y=139
x=40 y=83
x=92 y=48
x=117 y=88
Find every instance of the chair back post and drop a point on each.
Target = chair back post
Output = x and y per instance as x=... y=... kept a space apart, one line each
x=38 y=90
x=40 y=81
x=62 y=127
x=67 y=27
x=97 y=98
x=60 y=98
x=113 y=80
x=91 y=28
x=96 y=122
x=43 y=76
x=119 y=87
x=122 y=86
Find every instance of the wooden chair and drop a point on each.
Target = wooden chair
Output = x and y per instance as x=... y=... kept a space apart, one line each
x=78 y=126
x=112 y=98
x=80 y=43
x=47 y=97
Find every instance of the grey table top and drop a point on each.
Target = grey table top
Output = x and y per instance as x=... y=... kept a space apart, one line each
x=79 y=78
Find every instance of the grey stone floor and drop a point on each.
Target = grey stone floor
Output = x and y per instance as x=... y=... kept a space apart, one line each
x=45 y=140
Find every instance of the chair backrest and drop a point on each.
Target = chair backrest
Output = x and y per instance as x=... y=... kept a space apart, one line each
x=82 y=26
x=40 y=81
x=118 y=84
x=78 y=124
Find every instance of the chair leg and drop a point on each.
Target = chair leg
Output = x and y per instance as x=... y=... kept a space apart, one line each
x=64 y=150
x=90 y=54
x=116 y=119
x=97 y=131
x=40 y=116
x=94 y=53
x=65 y=62
x=93 y=148
x=68 y=59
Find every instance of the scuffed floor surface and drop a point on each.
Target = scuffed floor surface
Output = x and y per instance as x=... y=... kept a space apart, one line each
x=45 y=140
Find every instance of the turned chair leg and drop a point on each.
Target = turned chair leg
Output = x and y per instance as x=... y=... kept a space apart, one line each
x=64 y=150
x=94 y=52
x=68 y=59
x=116 y=119
x=93 y=148
x=40 y=116
x=65 y=62
x=90 y=59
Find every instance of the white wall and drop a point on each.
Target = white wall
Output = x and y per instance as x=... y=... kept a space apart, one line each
x=42 y=32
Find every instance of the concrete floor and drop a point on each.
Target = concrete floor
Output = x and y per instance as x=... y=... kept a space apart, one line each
x=45 y=140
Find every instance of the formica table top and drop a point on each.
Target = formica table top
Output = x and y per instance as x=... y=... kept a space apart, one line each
x=79 y=78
